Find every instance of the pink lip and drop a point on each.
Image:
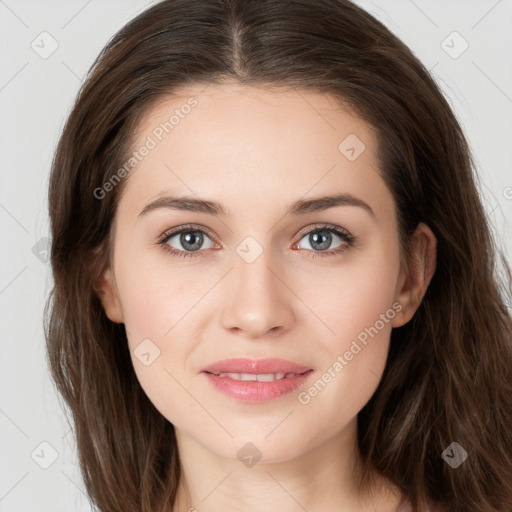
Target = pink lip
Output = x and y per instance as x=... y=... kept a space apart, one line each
x=244 y=365
x=254 y=391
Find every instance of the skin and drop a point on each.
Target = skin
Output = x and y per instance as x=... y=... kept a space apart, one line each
x=256 y=150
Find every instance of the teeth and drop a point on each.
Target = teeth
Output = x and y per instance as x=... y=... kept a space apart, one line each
x=260 y=377
x=246 y=376
x=269 y=377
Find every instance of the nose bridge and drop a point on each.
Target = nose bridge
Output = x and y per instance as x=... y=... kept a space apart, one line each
x=257 y=300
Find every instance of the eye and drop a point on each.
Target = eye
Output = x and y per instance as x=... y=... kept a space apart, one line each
x=320 y=239
x=189 y=238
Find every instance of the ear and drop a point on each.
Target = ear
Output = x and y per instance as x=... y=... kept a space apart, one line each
x=417 y=274
x=106 y=289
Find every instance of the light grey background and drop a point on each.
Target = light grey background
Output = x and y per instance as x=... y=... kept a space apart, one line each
x=36 y=95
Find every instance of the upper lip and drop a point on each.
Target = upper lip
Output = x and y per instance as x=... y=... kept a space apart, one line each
x=255 y=366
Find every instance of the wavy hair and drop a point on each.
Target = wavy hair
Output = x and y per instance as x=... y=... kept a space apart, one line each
x=448 y=377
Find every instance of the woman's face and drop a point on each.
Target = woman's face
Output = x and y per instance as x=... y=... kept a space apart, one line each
x=258 y=281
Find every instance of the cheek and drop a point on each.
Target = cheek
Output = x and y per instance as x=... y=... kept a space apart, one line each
x=154 y=295
x=147 y=312
x=157 y=340
x=353 y=295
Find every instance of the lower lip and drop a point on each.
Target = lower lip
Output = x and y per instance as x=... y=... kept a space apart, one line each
x=254 y=391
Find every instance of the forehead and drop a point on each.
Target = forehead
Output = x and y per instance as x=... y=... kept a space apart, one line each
x=253 y=145
x=259 y=111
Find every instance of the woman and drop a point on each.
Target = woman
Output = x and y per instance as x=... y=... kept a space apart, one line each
x=274 y=279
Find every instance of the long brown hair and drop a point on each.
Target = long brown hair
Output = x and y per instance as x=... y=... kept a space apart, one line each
x=448 y=376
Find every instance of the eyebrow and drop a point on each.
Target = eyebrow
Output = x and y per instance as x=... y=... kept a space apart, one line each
x=299 y=207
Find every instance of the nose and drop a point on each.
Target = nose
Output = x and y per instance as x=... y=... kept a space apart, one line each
x=258 y=300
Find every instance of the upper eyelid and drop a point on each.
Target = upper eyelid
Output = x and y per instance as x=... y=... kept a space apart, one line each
x=319 y=226
x=176 y=231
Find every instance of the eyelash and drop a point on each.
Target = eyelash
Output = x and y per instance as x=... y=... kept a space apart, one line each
x=175 y=253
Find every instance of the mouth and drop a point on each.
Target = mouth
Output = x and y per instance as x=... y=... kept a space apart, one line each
x=256 y=380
